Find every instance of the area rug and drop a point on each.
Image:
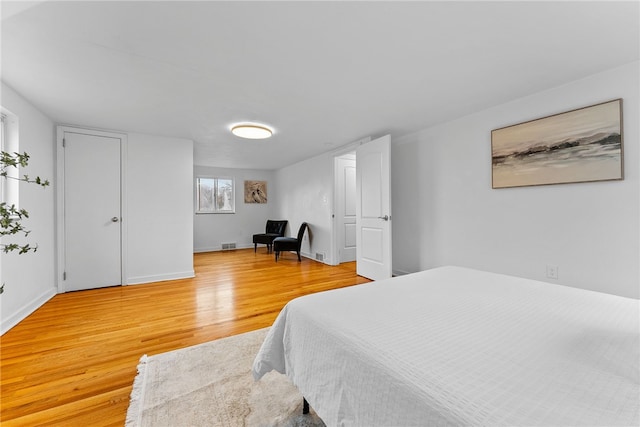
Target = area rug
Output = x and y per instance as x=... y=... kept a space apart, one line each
x=211 y=384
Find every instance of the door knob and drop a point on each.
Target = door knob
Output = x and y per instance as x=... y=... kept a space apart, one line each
x=386 y=217
x=115 y=219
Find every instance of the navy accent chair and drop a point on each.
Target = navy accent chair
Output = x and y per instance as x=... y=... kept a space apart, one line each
x=289 y=243
x=274 y=228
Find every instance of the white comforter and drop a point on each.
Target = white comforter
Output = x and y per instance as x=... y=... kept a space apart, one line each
x=455 y=346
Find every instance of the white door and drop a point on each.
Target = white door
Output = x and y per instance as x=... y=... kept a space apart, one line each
x=91 y=211
x=373 y=209
x=346 y=207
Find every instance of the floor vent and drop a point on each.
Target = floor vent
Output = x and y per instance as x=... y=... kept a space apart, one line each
x=320 y=256
x=228 y=246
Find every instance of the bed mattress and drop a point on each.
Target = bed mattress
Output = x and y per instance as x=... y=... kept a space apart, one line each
x=456 y=346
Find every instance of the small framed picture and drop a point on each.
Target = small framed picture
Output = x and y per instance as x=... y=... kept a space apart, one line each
x=255 y=191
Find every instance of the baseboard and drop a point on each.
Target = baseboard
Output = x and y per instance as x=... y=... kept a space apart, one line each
x=219 y=248
x=313 y=258
x=309 y=256
x=26 y=310
x=400 y=272
x=160 y=277
x=207 y=249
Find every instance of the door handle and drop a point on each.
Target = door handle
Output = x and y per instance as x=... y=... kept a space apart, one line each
x=115 y=219
x=386 y=217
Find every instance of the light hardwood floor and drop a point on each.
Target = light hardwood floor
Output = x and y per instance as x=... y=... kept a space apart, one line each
x=73 y=361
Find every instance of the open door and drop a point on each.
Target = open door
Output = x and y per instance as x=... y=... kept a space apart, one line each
x=373 y=209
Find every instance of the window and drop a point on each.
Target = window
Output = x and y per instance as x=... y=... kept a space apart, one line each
x=9 y=143
x=215 y=195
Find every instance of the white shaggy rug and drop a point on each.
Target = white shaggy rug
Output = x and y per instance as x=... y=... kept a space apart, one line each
x=211 y=385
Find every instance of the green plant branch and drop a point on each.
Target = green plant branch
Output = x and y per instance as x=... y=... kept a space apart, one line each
x=26 y=179
x=10 y=216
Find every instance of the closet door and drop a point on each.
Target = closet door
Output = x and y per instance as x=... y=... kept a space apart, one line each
x=91 y=210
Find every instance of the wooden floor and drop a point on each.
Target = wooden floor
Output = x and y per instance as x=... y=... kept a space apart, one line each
x=73 y=361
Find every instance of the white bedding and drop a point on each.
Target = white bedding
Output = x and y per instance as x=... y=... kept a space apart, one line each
x=455 y=346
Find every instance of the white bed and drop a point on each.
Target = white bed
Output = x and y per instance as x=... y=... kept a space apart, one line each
x=455 y=346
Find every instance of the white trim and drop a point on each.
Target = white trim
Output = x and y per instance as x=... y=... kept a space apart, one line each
x=207 y=249
x=10 y=186
x=3 y=184
x=161 y=277
x=215 y=178
x=219 y=248
x=311 y=257
x=59 y=210
x=26 y=310
x=347 y=148
x=60 y=214
x=124 y=211
x=400 y=272
x=334 y=259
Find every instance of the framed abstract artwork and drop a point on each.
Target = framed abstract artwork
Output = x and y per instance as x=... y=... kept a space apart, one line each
x=255 y=191
x=582 y=145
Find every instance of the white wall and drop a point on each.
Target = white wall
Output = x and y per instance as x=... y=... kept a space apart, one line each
x=443 y=197
x=30 y=278
x=305 y=194
x=410 y=182
x=211 y=230
x=159 y=182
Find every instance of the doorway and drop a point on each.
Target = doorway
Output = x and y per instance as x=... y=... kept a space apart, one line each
x=345 y=207
x=361 y=219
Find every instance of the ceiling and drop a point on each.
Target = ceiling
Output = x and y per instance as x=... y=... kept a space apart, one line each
x=322 y=74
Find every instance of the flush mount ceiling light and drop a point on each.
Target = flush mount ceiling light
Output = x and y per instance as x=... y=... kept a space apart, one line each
x=251 y=131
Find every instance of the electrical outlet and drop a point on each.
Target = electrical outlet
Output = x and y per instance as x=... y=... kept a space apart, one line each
x=552 y=271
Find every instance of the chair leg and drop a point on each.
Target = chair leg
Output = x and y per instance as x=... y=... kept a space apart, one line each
x=255 y=247
x=298 y=256
x=277 y=253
